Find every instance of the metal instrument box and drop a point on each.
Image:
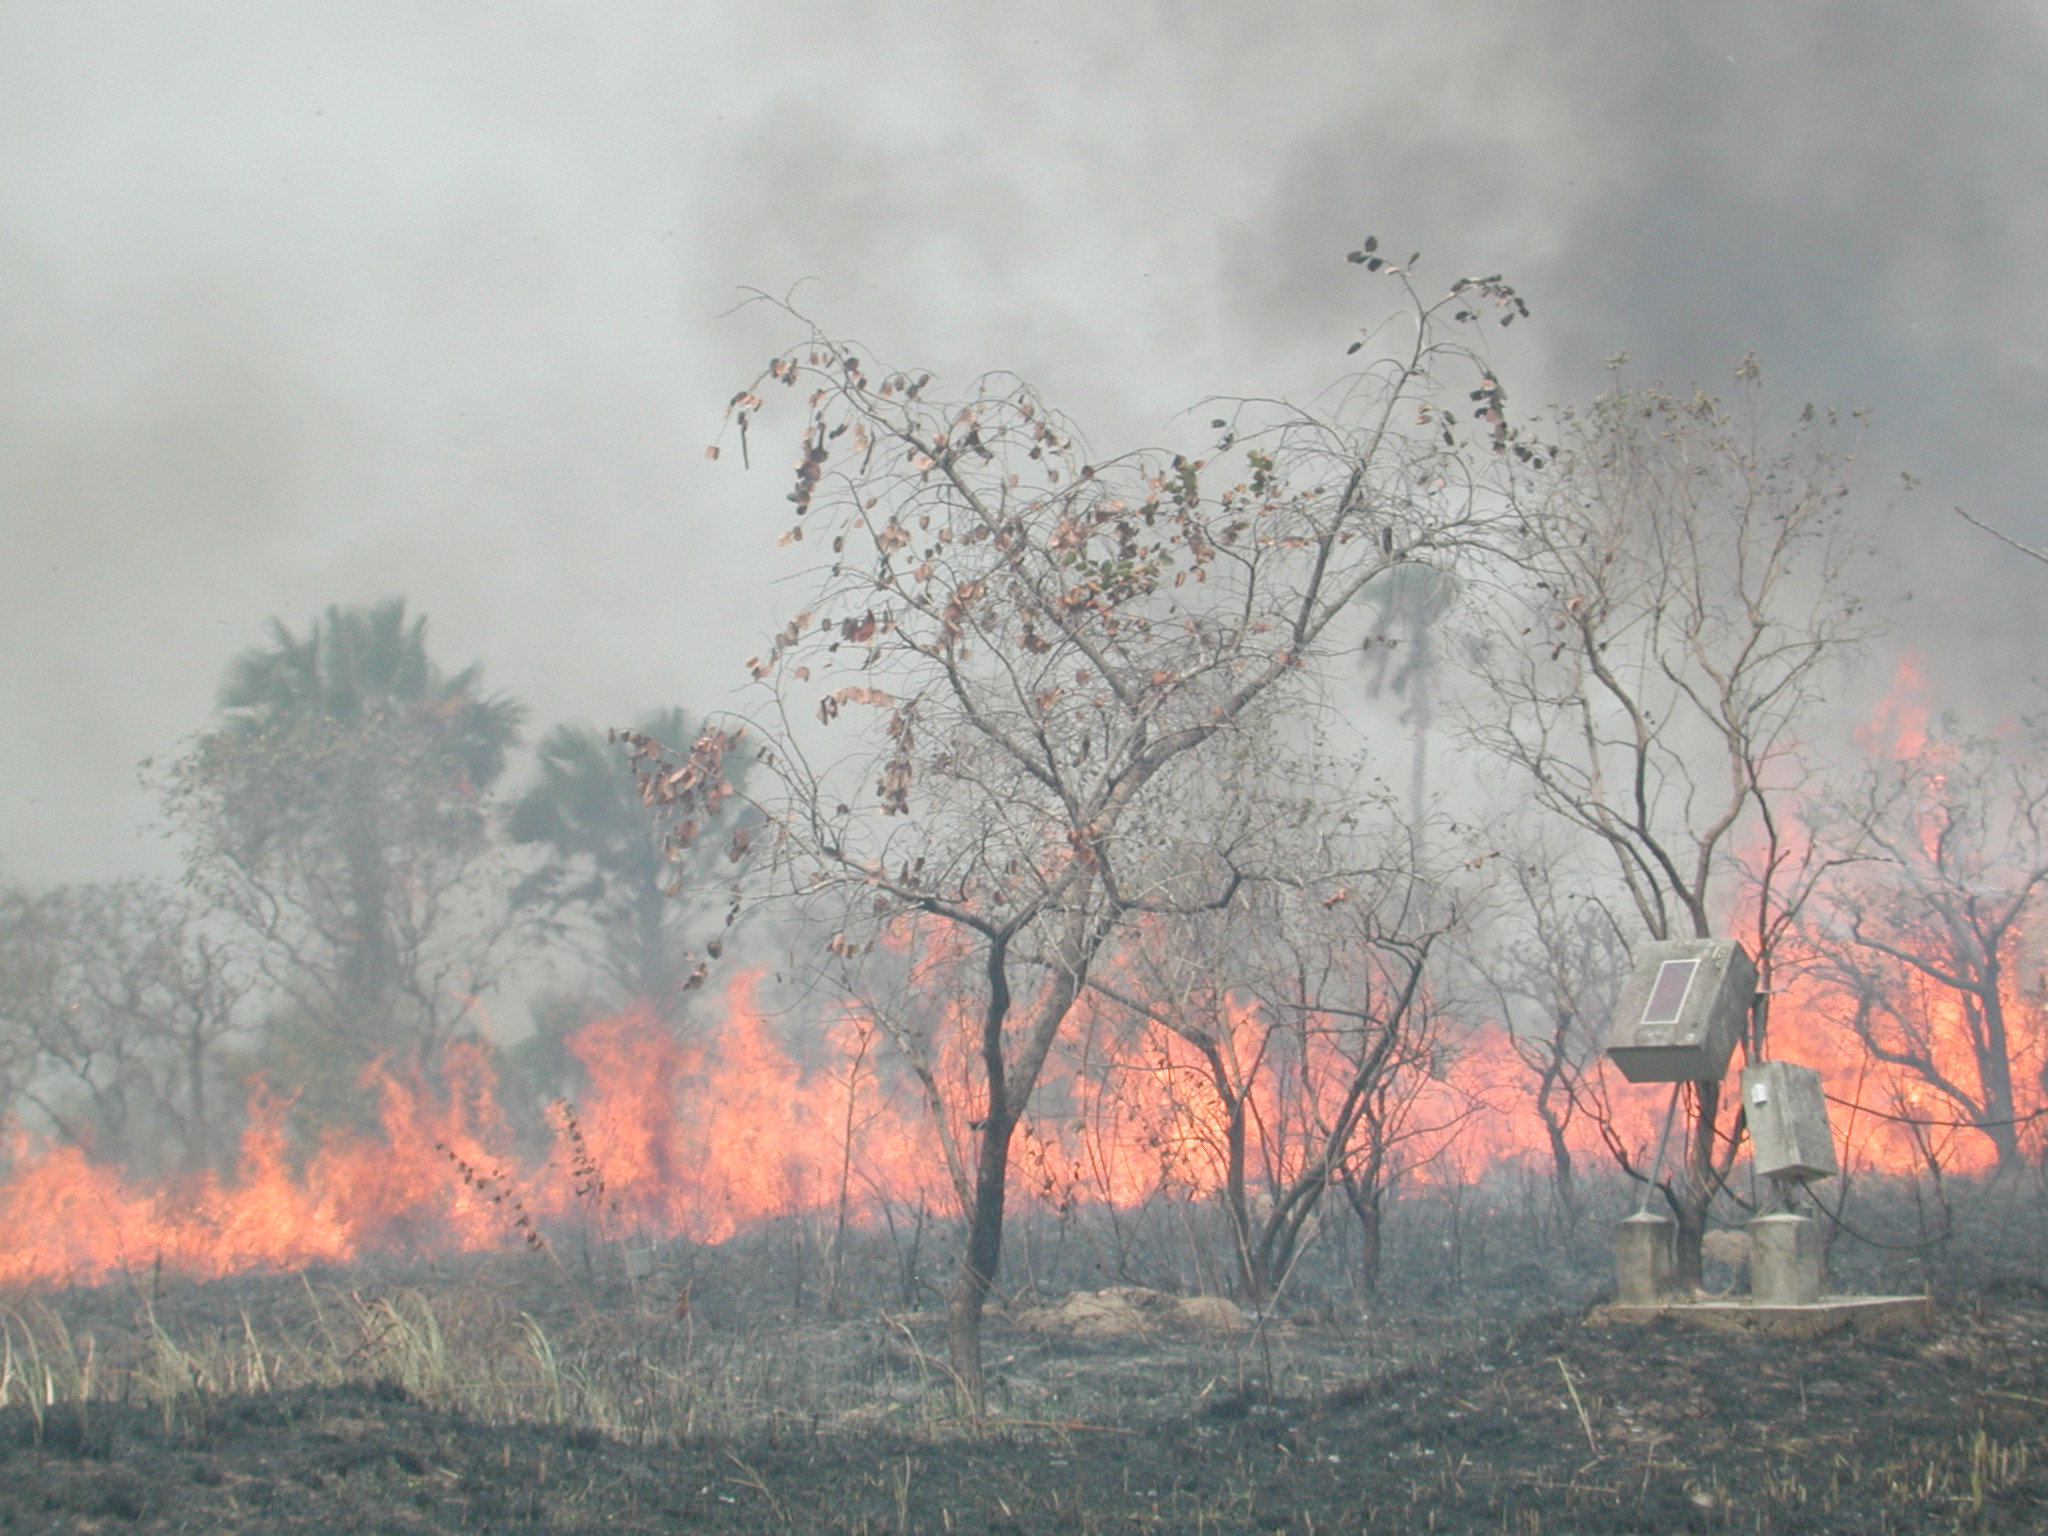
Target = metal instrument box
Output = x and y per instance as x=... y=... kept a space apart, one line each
x=1789 y=1136
x=1683 y=1009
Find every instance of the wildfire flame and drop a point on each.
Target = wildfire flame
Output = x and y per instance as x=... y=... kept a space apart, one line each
x=1898 y=726
x=698 y=1136
x=701 y=1139
x=676 y=1138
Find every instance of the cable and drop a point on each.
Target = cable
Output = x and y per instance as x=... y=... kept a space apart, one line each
x=1952 y=1125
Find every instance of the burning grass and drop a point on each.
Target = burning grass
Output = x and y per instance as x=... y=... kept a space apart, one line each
x=792 y=1132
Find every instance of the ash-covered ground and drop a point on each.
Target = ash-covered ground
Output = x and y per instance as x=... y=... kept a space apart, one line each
x=493 y=1397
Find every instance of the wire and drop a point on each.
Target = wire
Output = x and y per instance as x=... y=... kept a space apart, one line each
x=1835 y=1216
x=1952 y=1125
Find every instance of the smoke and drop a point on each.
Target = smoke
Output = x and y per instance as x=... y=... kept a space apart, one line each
x=304 y=305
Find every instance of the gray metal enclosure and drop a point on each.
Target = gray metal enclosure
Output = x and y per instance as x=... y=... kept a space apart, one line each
x=1684 y=1007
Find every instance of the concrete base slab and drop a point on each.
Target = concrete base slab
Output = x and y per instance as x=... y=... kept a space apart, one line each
x=1738 y=1314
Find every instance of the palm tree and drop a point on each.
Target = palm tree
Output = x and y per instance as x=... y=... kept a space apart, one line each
x=353 y=663
x=1411 y=601
x=340 y=813
x=606 y=884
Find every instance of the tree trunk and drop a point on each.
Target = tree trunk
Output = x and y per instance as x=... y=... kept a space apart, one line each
x=907 y=1262
x=976 y=1276
x=1251 y=1286
x=1994 y=1068
x=1693 y=1188
x=844 y=1204
x=1009 y=1084
x=197 y=1149
x=1564 y=1177
x=1365 y=1196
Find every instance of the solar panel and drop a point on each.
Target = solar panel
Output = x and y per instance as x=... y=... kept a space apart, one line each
x=1667 y=998
x=1685 y=1004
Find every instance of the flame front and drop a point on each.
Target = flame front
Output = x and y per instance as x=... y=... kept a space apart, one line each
x=698 y=1136
x=674 y=1140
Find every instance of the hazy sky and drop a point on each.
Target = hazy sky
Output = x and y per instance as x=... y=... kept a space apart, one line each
x=304 y=304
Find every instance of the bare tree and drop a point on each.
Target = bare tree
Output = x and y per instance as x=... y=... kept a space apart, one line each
x=118 y=1002
x=1679 y=601
x=1310 y=1019
x=1058 y=652
x=1943 y=855
x=1551 y=958
x=1364 y=1033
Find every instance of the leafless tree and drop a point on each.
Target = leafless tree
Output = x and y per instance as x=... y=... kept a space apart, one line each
x=1309 y=1015
x=1943 y=855
x=1365 y=1031
x=1680 y=599
x=1550 y=957
x=118 y=1003
x=1058 y=652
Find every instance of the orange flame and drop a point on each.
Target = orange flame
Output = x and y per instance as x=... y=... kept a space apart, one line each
x=1898 y=726
x=700 y=1138
x=674 y=1140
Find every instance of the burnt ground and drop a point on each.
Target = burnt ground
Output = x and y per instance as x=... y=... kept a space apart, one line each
x=1672 y=1430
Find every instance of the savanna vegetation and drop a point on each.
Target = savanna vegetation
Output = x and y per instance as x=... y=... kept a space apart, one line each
x=1160 y=877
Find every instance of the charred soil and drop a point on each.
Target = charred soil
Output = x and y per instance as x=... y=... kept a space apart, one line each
x=1542 y=1425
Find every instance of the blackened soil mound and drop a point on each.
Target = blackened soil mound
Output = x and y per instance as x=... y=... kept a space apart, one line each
x=1549 y=1427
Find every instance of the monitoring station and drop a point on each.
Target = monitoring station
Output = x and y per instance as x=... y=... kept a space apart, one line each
x=1685 y=1007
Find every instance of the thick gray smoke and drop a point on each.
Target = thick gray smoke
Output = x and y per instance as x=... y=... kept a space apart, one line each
x=304 y=304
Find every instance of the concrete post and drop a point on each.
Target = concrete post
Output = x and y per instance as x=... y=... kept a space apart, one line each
x=1784 y=1260
x=1645 y=1258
